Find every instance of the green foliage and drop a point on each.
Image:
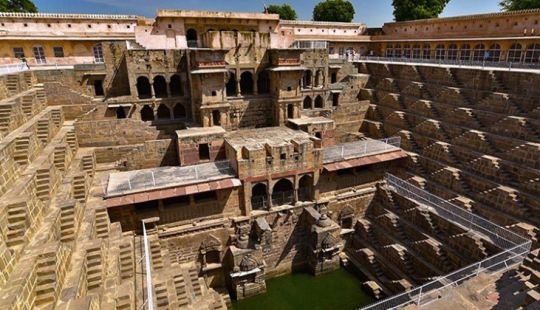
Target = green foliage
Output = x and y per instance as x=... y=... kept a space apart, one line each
x=18 y=6
x=417 y=9
x=516 y=5
x=334 y=11
x=285 y=11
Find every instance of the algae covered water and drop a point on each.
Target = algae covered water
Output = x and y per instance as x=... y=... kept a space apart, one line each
x=336 y=290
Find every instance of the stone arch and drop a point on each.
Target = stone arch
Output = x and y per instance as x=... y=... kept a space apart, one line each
x=346 y=217
x=306 y=79
x=397 y=51
x=319 y=102
x=452 y=52
x=478 y=52
x=175 y=85
x=147 y=114
x=283 y=192
x=210 y=250
x=246 y=83
x=192 y=38
x=163 y=112
x=426 y=51
x=143 y=87
x=179 y=111
x=305 y=185
x=259 y=196
x=407 y=50
x=532 y=54
x=307 y=103
x=494 y=52
x=263 y=83
x=231 y=85
x=465 y=52
x=416 y=52
x=248 y=263
x=80 y=50
x=440 y=52
x=319 y=78
x=216 y=118
x=514 y=53
x=160 y=86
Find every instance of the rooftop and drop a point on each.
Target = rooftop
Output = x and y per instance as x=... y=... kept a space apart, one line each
x=123 y=183
x=257 y=138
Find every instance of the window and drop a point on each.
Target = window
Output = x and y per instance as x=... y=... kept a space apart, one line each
x=514 y=53
x=18 y=52
x=98 y=53
x=39 y=54
x=58 y=51
x=204 y=151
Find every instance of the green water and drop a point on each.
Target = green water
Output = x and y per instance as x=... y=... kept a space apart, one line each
x=336 y=290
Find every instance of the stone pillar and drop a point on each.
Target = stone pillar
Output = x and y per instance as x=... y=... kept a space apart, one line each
x=255 y=86
x=238 y=88
x=295 y=198
x=247 y=201
x=206 y=121
x=152 y=91
x=223 y=120
x=168 y=88
x=270 y=191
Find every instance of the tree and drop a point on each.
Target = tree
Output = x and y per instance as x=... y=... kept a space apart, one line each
x=18 y=6
x=285 y=11
x=516 y=5
x=334 y=11
x=417 y=9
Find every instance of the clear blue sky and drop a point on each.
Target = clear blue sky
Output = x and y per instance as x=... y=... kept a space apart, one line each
x=372 y=12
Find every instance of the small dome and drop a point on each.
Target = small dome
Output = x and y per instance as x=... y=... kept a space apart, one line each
x=324 y=221
x=248 y=263
x=329 y=241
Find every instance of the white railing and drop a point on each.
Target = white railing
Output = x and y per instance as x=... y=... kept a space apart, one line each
x=515 y=248
x=358 y=149
x=67 y=15
x=149 y=295
x=12 y=68
x=310 y=44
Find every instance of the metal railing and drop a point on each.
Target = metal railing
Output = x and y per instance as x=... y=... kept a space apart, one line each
x=12 y=68
x=149 y=289
x=359 y=148
x=447 y=62
x=310 y=44
x=515 y=247
x=282 y=198
x=192 y=43
x=121 y=182
x=259 y=203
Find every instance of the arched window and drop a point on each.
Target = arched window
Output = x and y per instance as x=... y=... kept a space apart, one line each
x=452 y=52
x=176 y=86
x=163 y=112
x=319 y=102
x=143 y=87
x=389 y=50
x=439 y=52
x=407 y=51
x=319 y=78
x=304 y=188
x=98 y=53
x=160 y=86
x=307 y=79
x=231 y=85
x=494 y=52
x=263 y=83
x=179 y=111
x=479 y=52
x=416 y=51
x=147 y=114
x=532 y=54
x=514 y=53
x=426 y=51
x=283 y=192
x=307 y=103
x=246 y=83
x=39 y=54
x=290 y=111
x=465 y=53
x=397 y=51
x=192 y=38
x=259 y=196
